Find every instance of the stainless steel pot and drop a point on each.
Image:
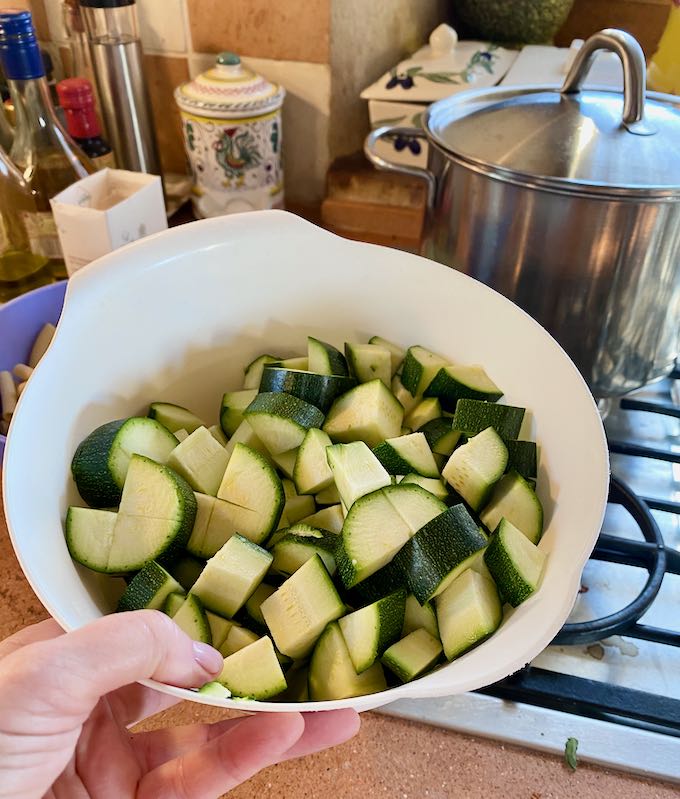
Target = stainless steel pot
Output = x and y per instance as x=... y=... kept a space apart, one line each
x=567 y=202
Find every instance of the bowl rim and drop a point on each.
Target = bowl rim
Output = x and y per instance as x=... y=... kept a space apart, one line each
x=414 y=689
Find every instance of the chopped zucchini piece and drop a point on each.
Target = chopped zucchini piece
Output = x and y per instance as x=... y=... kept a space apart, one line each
x=472 y=416
x=312 y=472
x=324 y=358
x=186 y=570
x=286 y=462
x=377 y=527
x=174 y=417
x=102 y=459
x=332 y=674
x=440 y=551
x=254 y=672
x=233 y=405
x=420 y=367
x=369 y=413
x=231 y=576
x=433 y=485
x=291 y=551
x=424 y=412
x=417 y=616
x=281 y=421
x=299 y=610
x=252 y=374
x=254 y=492
x=468 y=612
x=368 y=632
x=405 y=454
x=413 y=655
x=330 y=518
x=405 y=398
x=452 y=383
x=329 y=496
x=191 y=618
x=200 y=460
x=219 y=628
x=252 y=606
x=474 y=468
x=319 y=390
x=237 y=638
x=441 y=436
x=356 y=471
x=397 y=353
x=515 y=563
x=515 y=500
x=368 y=362
x=149 y=588
x=523 y=458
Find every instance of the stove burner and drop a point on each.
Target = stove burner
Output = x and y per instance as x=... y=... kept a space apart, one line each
x=592 y=698
x=620 y=550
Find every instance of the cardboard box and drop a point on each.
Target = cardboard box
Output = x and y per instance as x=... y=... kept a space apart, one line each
x=105 y=211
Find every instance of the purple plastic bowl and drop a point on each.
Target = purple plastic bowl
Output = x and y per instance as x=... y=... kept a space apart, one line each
x=21 y=320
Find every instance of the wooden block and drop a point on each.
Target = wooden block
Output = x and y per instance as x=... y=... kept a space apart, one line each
x=385 y=220
x=354 y=179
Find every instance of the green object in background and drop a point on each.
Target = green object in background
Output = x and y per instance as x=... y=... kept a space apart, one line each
x=570 y=753
x=516 y=21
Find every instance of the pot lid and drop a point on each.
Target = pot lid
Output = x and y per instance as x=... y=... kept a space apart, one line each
x=601 y=139
x=229 y=89
x=441 y=68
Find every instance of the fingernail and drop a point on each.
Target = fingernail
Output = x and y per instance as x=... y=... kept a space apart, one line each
x=208 y=658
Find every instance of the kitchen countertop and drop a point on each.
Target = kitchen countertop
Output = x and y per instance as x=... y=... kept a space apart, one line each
x=390 y=757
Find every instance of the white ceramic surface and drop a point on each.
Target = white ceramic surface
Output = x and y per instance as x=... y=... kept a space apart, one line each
x=176 y=316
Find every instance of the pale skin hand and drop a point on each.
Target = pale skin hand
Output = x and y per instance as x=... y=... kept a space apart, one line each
x=66 y=702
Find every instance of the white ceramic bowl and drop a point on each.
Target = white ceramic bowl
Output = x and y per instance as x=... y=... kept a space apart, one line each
x=177 y=315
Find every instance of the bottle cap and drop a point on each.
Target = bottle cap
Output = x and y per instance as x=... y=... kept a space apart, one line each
x=19 y=51
x=106 y=3
x=77 y=99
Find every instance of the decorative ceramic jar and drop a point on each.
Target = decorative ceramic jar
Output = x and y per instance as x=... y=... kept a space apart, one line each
x=443 y=67
x=231 y=122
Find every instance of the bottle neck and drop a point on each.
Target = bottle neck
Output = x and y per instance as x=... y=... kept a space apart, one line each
x=33 y=106
x=38 y=128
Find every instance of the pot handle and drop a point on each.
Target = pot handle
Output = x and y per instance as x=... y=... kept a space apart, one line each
x=381 y=163
x=634 y=74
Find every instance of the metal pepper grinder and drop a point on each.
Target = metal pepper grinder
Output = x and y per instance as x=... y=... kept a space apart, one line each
x=117 y=60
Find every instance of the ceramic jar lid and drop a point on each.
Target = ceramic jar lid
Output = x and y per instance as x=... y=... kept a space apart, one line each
x=229 y=90
x=441 y=68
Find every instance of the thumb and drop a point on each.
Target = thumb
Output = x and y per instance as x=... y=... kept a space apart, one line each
x=75 y=670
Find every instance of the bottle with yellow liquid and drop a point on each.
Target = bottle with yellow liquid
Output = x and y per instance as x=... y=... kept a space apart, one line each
x=45 y=154
x=20 y=269
x=663 y=72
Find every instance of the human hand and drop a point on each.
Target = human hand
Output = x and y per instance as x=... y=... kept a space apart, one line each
x=67 y=700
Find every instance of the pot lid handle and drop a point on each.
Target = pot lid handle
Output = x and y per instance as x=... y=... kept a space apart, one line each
x=634 y=74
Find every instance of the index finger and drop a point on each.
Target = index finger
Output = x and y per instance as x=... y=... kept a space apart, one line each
x=42 y=631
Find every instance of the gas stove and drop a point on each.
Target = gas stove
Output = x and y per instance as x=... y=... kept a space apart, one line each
x=611 y=677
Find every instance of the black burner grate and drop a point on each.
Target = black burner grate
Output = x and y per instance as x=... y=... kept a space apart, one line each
x=600 y=700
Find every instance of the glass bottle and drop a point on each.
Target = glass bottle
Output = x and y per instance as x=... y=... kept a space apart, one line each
x=6 y=130
x=79 y=61
x=77 y=100
x=43 y=151
x=20 y=269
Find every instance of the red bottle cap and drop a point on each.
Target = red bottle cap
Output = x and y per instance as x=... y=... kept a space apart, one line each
x=77 y=99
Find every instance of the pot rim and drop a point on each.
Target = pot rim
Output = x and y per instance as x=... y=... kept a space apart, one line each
x=561 y=185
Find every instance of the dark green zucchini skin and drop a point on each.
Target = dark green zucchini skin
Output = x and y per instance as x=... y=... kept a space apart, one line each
x=318 y=390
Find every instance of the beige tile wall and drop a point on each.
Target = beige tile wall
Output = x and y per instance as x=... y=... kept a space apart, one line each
x=323 y=51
